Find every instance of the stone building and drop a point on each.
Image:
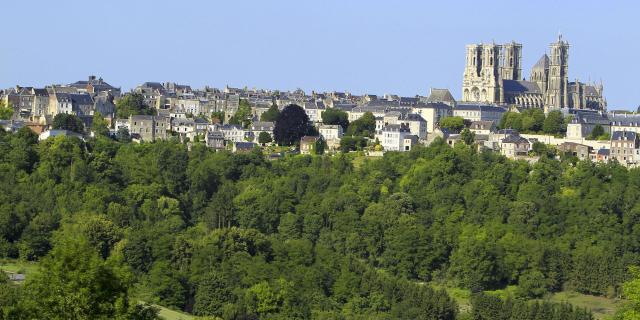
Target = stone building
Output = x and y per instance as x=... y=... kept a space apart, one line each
x=493 y=74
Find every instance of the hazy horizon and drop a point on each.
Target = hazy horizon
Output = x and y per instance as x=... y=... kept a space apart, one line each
x=357 y=46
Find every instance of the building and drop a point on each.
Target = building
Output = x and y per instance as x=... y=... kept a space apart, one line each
x=514 y=145
x=243 y=147
x=215 y=140
x=432 y=113
x=583 y=123
x=392 y=137
x=493 y=74
x=625 y=147
x=440 y=96
x=479 y=112
x=482 y=127
x=308 y=144
x=56 y=133
x=577 y=150
x=148 y=128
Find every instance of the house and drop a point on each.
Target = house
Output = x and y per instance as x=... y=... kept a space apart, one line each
x=441 y=96
x=392 y=137
x=243 y=146
x=416 y=123
x=262 y=126
x=578 y=150
x=148 y=128
x=625 y=147
x=482 y=127
x=215 y=140
x=331 y=135
x=514 y=145
x=583 y=123
x=95 y=86
x=601 y=155
x=409 y=141
x=432 y=113
x=11 y=125
x=231 y=132
x=479 y=112
x=308 y=144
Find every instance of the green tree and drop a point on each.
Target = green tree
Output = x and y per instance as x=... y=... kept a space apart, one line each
x=132 y=104
x=69 y=122
x=291 y=125
x=597 y=132
x=99 y=125
x=217 y=116
x=467 y=136
x=73 y=282
x=454 y=124
x=123 y=135
x=243 y=115
x=365 y=126
x=6 y=110
x=271 y=114
x=333 y=116
x=264 y=137
x=319 y=146
x=554 y=123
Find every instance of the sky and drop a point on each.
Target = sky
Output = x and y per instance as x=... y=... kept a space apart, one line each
x=374 y=47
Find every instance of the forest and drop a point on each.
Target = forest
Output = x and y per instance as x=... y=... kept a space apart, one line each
x=116 y=228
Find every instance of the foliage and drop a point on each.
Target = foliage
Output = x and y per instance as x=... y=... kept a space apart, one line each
x=454 y=124
x=63 y=121
x=344 y=237
x=333 y=116
x=319 y=146
x=467 y=136
x=271 y=114
x=243 y=115
x=264 y=137
x=365 y=126
x=349 y=143
x=534 y=121
x=6 y=110
x=487 y=307
x=123 y=135
x=291 y=125
x=99 y=125
x=218 y=116
x=133 y=104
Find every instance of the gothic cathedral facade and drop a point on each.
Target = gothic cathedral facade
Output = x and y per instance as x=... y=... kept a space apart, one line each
x=493 y=74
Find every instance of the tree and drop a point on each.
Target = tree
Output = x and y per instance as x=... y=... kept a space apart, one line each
x=132 y=104
x=291 y=125
x=333 y=116
x=123 y=135
x=217 y=116
x=63 y=121
x=243 y=115
x=455 y=124
x=364 y=126
x=319 y=146
x=271 y=114
x=99 y=125
x=6 y=110
x=597 y=132
x=631 y=290
x=348 y=143
x=554 y=123
x=264 y=137
x=73 y=282
x=467 y=136
x=212 y=293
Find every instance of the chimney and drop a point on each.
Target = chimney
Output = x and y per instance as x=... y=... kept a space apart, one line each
x=92 y=78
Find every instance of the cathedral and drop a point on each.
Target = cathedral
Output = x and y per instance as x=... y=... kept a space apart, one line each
x=493 y=74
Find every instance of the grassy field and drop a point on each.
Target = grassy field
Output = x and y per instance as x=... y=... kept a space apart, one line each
x=169 y=314
x=602 y=307
x=16 y=266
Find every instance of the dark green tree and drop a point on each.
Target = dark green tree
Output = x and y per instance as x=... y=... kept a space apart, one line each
x=291 y=125
x=333 y=116
x=133 y=104
x=63 y=121
x=271 y=114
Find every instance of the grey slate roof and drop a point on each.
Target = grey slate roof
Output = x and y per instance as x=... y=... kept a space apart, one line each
x=624 y=135
x=480 y=107
x=515 y=138
x=520 y=86
x=543 y=63
x=440 y=95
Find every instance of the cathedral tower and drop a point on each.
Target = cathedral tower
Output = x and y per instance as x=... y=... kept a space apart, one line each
x=556 y=94
x=510 y=60
x=482 y=74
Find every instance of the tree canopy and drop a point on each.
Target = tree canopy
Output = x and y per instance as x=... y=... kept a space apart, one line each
x=333 y=116
x=71 y=122
x=133 y=104
x=271 y=114
x=291 y=125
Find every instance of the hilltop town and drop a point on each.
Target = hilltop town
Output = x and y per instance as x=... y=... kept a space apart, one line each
x=499 y=110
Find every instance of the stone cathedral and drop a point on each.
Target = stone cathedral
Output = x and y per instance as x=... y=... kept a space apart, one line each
x=493 y=74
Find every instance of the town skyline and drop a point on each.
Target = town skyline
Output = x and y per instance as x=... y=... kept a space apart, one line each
x=373 y=49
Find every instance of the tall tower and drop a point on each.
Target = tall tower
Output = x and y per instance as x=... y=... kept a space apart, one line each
x=481 y=80
x=556 y=95
x=510 y=60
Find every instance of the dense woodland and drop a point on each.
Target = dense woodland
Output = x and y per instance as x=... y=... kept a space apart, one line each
x=324 y=237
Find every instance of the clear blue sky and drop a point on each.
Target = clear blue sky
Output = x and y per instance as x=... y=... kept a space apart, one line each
x=377 y=47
